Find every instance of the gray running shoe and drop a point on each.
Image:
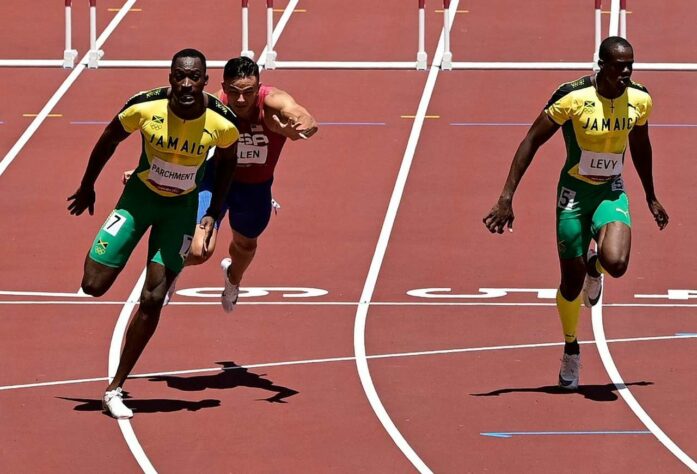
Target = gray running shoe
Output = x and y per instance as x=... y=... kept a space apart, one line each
x=231 y=292
x=569 y=371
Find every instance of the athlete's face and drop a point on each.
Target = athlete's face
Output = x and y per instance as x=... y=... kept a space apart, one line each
x=242 y=93
x=617 y=69
x=187 y=79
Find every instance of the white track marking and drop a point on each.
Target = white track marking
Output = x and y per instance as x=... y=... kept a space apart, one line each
x=278 y=29
x=347 y=359
x=616 y=378
x=114 y=356
x=345 y=303
x=56 y=97
x=376 y=263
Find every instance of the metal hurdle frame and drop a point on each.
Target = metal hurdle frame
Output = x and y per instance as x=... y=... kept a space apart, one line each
x=69 y=54
x=245 y=31
x=94 y=54
x=267 y=59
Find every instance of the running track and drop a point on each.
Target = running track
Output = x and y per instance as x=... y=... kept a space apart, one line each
x=355 y=224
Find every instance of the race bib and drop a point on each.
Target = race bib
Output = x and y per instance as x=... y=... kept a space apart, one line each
x=171 y=177
x=251 y=154
x=600 y=164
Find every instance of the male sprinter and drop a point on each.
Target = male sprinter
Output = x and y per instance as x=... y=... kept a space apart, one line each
x=266 y=117
x=597 y=114
x=178 y=124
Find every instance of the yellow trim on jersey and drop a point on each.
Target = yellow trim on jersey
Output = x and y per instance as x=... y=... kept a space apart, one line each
x=174 y=149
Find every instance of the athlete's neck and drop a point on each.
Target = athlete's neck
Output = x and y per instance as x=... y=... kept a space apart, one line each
x=606 y=88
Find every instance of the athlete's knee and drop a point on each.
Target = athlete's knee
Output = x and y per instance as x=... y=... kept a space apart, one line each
x=616 y=266
x=244 y=244
x=93 y=287
x=151 y=300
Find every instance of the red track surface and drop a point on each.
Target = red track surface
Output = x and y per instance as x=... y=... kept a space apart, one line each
x=334 y=191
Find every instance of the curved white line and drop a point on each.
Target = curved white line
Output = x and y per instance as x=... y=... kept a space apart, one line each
x=114 y=356
x=616 y=378
x=378 y=257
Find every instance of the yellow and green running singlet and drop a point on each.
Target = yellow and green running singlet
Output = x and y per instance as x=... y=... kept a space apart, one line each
x=595 y=128
x=174 y=149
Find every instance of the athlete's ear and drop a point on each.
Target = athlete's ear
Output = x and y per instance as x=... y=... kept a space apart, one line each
x=601 y=63
x=206 y=80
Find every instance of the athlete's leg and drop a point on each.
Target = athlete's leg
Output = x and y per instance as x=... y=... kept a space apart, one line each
x=98 y=278
x=242 y=251
x=115 y=241
x=249 y=214
x=614 y=246
x=143 y=324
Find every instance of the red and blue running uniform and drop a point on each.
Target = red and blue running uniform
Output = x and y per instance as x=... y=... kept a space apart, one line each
x=249 y=201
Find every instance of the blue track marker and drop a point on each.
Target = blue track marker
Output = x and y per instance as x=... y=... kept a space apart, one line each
x=510 y=434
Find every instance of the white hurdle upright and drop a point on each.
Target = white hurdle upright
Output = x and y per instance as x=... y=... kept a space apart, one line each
x=623 y=19
x=447 y=62
x=598 y=26
x=421 y=55
x=245 y=31
x=270 y=53
x=69 y=54
x=94 y=54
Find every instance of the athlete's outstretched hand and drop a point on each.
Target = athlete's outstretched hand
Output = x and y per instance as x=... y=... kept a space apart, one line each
x=659 y=214
x=304 y=127
x=500 y=216
x=207 y=224
x=82 y=199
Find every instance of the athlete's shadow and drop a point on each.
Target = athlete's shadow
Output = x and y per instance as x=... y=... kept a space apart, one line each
x=146 y=406
x=597 y=393
x=231 y=376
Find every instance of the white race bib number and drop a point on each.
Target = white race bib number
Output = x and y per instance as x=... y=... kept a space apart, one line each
x=600 y=164
x=251 y=154
x=114 y=223
x=567 y=198
x=171 y=177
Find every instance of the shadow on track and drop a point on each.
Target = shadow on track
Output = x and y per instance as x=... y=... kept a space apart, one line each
x=597 y=393
x=146 y=406
x=231 y=376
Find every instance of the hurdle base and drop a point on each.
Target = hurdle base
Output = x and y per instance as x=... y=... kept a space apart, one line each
x=247 y=54
x=270 y=62
x=69 y=56
x=93 y=58
x=596 y=57
x=421 y=60
x=446 y=63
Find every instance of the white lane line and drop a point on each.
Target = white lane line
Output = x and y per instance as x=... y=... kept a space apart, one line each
x=616 y=378
x=343 y=303
x=348 y=359
x=376 y=263
x=278 y=30
x=114 y=356
x=56 y=97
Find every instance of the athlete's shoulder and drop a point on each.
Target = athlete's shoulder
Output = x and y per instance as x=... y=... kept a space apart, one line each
x=216 y=105
x=637 y=86
x=569 y=88
x=146 y=96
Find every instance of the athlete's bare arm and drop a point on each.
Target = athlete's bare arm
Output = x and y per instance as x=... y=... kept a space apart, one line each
x=84 y=197
x=501 y=215
x=642 y=157
x=288 y=118
x=226 y=160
